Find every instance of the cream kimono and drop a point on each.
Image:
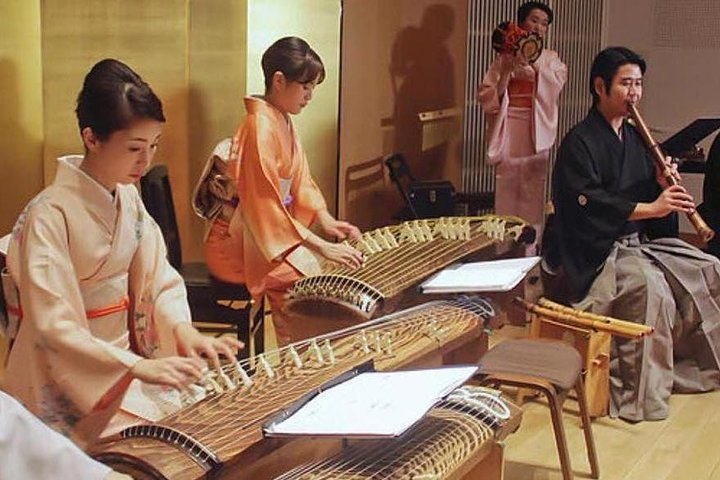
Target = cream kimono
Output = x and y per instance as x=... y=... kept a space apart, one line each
x=31 y=451
x=93 y=280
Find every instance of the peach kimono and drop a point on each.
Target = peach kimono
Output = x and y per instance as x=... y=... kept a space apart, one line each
x=261 y=243
x=93 y=280
x=522 y=117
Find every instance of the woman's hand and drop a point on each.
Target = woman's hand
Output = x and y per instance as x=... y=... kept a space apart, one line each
x=193 y=344
x=337 y=228
x=176 y=372
x=341 y=253
x=506 y=63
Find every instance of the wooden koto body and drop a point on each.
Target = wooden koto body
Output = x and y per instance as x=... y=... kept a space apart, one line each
x=396 y=258
x=223 y=432
x=449 y=442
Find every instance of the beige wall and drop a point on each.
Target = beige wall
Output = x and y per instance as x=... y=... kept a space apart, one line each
x=318 y=22
x=379 y=110
x=21 y=114
x=680 y=43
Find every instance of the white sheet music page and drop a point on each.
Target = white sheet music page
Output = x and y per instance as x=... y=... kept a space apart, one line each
x=373 y=404
x=493 y=276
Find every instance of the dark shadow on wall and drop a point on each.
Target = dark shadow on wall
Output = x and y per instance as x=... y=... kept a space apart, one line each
x=22 y=161
x=422 y=74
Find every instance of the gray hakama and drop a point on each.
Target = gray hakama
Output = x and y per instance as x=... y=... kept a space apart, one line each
x=675 y=288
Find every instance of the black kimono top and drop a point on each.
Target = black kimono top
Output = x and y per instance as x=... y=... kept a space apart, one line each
x=598 y=180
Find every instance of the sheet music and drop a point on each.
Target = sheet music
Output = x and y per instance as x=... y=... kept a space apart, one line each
x=373 y=404
x=492 y=276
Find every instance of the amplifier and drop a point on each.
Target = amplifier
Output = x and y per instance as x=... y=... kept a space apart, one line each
x=432 y=199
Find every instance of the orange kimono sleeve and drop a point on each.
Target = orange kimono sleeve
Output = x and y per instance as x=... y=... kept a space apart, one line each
x=308 y=198
x=274 y=230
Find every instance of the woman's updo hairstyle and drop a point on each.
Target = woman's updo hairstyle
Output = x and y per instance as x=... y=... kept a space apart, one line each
x=293 y=57
x=112 y=97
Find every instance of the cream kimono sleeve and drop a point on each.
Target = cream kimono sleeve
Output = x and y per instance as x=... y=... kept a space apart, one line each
x=32 y=451
x=158 y=296
x=55 y=336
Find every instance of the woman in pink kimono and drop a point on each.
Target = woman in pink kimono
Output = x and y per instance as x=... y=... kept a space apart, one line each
x=266 y=243
x=520 y=101
x=102 y=311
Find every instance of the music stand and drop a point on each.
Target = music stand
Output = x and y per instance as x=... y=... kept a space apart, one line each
x=684 y=140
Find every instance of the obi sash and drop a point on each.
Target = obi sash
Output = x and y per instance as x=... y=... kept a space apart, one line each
x=520 y=93
x=106 y=305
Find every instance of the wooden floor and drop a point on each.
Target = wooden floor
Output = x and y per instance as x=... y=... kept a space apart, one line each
x=686 y=446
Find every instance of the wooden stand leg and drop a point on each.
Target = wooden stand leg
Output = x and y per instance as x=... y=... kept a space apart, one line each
x=492 y=467
x=594 y=347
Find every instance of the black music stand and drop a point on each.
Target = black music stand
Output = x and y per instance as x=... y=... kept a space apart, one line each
x=684 y=144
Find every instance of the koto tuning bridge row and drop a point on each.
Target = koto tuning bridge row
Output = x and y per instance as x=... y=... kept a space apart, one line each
x=415 y=231
x=234 y=376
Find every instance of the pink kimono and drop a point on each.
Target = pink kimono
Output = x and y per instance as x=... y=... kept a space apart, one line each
x=261 y=244
x=522 y=125
x=93 y=280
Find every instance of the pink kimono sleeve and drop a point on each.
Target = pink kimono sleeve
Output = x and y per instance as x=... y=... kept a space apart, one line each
x=494 y=102
x=274 y=230
x=551 y=77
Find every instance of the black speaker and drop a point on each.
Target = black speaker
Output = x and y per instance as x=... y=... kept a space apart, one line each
x=432 y=199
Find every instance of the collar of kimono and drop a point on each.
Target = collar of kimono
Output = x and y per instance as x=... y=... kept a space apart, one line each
x=95 y=197
x=600 y=119
x=257 y=104
x=69 y=173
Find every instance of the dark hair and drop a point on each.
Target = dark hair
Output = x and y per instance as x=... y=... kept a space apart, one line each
x=606 y=65
x=112 y=96
x=295 y=59
x=527 y=7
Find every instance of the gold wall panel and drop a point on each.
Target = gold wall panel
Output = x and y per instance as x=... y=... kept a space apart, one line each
x=21 y=120
x=217 y=83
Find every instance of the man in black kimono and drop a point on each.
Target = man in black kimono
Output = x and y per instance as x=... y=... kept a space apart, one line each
x=613 y=239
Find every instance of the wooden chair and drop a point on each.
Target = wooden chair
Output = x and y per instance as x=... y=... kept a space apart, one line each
x=548 y=367
x=210 y=299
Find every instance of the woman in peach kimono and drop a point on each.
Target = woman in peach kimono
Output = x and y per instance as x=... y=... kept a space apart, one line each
x=101 y=308
x=266 y=243
x=520 y=101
